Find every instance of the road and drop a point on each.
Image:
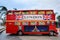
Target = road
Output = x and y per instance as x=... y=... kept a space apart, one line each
x=2 y=28
x=4 y=36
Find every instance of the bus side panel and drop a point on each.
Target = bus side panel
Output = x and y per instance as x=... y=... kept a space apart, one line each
x=53 y=28
x=10 y=17
x=11 y=28
x=53 y=16
x=28 y=29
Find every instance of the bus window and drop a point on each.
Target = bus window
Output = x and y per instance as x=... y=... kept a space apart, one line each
x=33 y=12
x=49 y=12
x=48 y=22
x=24 y=23
x=10 y=13
x=17 y=12
x=33 y=23
x=41 y=23
x=17 y=23
x=41 y=12
x=25 y=12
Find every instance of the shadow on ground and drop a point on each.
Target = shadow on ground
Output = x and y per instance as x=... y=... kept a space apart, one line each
x=28 y=35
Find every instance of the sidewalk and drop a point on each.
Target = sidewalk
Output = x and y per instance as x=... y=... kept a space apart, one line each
x=2 y=28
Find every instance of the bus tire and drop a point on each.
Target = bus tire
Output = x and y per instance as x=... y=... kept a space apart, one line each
x=52 y=33
x=20 y=33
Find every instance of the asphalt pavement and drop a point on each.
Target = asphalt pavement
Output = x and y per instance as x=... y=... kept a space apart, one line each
x=5 y=36
x=2 y=28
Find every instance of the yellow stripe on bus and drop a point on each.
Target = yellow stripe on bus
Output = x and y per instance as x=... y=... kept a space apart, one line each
x=27 y=20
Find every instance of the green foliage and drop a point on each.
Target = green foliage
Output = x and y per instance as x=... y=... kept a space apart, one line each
x=58 y=18
x=57 y=24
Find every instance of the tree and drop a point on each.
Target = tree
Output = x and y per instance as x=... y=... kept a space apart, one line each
x=58 y=20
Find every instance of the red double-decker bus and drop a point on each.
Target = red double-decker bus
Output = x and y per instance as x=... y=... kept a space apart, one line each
x=31 y=22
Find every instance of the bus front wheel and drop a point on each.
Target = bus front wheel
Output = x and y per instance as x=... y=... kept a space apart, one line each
x=52 y=33
x=20 y=33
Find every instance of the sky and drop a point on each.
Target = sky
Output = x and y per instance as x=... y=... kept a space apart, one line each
x=32 y=4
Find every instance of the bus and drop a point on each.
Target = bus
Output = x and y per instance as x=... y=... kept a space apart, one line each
x=31 y=22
